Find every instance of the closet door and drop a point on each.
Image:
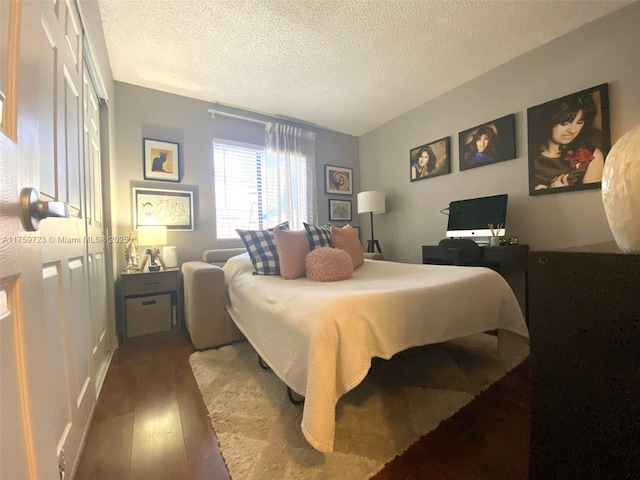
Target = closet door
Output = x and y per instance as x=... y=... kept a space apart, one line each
x=97 y=239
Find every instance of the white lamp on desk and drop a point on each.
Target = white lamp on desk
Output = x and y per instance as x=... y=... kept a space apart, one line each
x=152 y=236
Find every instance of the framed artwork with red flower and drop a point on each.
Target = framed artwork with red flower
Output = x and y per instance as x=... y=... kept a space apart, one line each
x=569 y=139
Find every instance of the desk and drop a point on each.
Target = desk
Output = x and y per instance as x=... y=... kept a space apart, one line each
x=506 y=260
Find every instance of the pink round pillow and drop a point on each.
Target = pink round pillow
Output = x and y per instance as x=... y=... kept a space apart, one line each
x=327 y=264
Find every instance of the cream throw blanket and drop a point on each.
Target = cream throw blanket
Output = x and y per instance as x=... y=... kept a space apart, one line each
x=319 y=338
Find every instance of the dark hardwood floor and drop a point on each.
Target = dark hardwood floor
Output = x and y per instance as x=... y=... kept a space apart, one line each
x=150 y=423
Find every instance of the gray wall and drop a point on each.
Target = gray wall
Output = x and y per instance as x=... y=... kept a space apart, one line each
x=144 y=113
x=605 y=51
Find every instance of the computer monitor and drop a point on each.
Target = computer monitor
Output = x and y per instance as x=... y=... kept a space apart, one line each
x=472 y=218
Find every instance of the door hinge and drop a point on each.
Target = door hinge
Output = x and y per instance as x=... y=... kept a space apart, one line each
x=61 y=465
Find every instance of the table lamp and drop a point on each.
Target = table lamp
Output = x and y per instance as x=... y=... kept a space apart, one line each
x=371 y=202
x=152 y=236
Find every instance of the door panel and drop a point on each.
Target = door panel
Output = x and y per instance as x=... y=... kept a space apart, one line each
x=46 y=318
x=69 y=150
x=26 y=434
x=48 y=176
x=96 y=249
x=13 y=451
x=56 y=347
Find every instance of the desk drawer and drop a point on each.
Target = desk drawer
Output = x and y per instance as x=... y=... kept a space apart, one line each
x=148 y=314
x=149 y=283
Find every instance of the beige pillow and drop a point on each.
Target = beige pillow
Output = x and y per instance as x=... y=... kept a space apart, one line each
x=292 y=247
x=346 y=238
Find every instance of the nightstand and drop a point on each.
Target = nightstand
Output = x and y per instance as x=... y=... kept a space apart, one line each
x=151 y=301
x=585 y=363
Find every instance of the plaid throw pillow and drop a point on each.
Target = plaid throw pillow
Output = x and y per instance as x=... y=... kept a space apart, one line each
x=319 y=236
x=262 y=249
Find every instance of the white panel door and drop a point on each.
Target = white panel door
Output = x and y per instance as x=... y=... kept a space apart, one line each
x=48 y=382
x=96 y=233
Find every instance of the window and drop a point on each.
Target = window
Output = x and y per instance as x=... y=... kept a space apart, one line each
x=237 y=173
x=258 y=188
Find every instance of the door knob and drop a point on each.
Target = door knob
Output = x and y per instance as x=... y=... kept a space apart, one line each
x=34 y=209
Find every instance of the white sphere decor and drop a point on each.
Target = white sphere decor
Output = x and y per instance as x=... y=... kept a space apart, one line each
x=621 y=191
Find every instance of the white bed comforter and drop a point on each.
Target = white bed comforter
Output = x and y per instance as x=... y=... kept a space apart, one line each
x=319 y=338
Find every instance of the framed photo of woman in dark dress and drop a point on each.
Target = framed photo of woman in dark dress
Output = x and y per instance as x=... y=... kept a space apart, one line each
x=430 y=160
x=491 y=142
x=569 y=139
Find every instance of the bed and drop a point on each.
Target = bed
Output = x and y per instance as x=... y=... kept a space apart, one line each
x=319 y=338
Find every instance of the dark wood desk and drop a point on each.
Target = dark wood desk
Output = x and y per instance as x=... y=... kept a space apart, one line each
x=504 y=259
x=507 y=260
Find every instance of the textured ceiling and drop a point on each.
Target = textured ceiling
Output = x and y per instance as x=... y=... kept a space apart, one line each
x=349 y=66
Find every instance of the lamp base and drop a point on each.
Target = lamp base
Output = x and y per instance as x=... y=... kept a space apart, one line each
x=372 y=245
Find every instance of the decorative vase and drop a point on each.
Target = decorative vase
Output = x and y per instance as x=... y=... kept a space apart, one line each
x=621 y=191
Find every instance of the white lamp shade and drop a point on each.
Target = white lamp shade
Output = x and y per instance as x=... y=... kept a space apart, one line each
x=153 y=236
x=372 y=201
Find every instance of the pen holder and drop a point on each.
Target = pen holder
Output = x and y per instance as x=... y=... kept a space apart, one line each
x=494 y=241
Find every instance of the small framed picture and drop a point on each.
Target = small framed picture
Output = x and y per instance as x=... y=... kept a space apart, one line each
x=491 y=142
x=161 y=160
x=340 y=210
x=357 y=229
x=338 y=180
x=430 y=160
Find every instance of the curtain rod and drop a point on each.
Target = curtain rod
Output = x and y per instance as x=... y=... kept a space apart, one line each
x=214 y=112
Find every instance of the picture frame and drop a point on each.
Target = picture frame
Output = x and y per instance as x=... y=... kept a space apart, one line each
x=357 y=229
x=488 y=143
x=340 y=210
x=568 y=141
x=338 y=180
x=161 y=160
x=171 y=208
x=430 y=160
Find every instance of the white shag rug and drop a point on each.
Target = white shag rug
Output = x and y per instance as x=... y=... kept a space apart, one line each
x=400 y=400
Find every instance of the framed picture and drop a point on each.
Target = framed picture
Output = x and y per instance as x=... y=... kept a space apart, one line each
x=172 y=208
x=338 y=180
x=569 y=139
x=340 y=210
x=430 y=160
x=357 y=229
x=491 y=142
x=161 y=160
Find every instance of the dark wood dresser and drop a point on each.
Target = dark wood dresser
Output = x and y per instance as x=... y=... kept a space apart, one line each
x=584 y=321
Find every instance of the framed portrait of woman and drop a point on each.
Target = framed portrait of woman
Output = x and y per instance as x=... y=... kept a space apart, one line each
x=491 y=142
x=430 y=160
x=569 y=139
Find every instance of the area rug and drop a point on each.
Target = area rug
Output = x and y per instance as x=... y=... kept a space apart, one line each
x=400 y=400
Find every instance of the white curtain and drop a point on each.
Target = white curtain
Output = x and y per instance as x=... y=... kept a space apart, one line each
x=289 y=179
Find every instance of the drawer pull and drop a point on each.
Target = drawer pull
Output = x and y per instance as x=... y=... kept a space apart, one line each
x=543 y=260
x=149 y=302
x=151 y=283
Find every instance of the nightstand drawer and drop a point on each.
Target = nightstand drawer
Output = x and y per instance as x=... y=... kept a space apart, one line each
x=148 y=314
x=149 y=283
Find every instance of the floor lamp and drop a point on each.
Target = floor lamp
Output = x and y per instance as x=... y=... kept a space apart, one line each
x=371 y=202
